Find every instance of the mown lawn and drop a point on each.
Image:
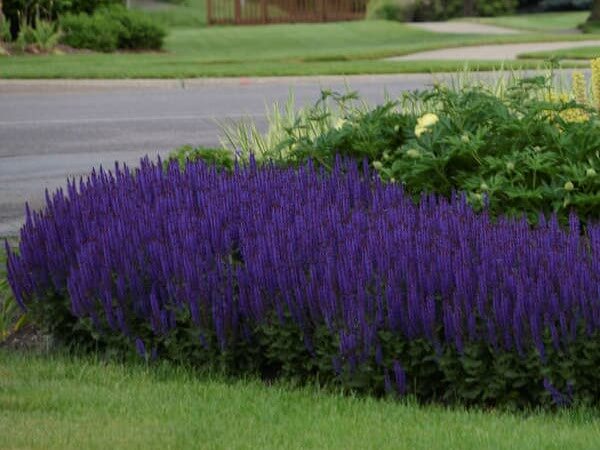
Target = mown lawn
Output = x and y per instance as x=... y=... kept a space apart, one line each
x=186 y=13
x=570 y=53
x=540 y=22
x=59 y=402
x=297 y=49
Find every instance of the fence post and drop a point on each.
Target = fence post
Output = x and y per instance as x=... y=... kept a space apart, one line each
x=322 y=11
x=264 y=11
x=209 y=12
x=238 y=11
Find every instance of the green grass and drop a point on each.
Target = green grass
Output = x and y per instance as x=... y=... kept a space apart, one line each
x=191 y=13
x=297 y=49
x=584 y=53
x=540 y=22
x=58 y=402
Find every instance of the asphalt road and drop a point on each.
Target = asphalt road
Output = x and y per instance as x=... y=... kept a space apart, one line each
x=51 y=130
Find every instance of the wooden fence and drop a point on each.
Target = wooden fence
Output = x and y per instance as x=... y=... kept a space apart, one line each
x=248 y=12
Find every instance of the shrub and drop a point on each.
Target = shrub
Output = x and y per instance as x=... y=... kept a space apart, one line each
x=306 y=274
x=137 y=31
x=112 y=28
x=495 y=7
x=97 y=32
x=400 y=10
x=424 y=10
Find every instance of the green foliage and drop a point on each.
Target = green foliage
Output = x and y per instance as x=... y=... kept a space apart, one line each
x=490 y=8
x=137 y=31
x=321 y=133
x=20 y=12
x=113 y=28
x=400 y=10
x=97 y=32
x=515 y=148
x=5 y=35
x=219 y=157
x=478 y=375
x=423 y=10
x=523 y=152
x=41 y=38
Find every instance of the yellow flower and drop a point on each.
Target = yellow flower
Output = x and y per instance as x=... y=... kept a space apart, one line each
x=377 y=165
x=555 y=97
x=579 y=87
x=425 y=122
x=575 y=115
x=569 y=186
x=428 y=120
x=419 y=130
x=596 y=81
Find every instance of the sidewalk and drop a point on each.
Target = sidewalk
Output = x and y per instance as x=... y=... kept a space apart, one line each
x=492 y=52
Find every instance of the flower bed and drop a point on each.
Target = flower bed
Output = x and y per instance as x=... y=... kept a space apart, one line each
x=301 y=273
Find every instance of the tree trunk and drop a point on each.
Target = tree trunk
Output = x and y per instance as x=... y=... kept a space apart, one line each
x=468 y=8
x=595 y=15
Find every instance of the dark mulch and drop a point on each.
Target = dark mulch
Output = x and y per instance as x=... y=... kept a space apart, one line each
x=26 y=338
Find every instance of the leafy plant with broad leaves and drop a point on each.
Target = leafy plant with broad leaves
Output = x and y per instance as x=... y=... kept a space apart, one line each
x=524 y=152
x=518 y=147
